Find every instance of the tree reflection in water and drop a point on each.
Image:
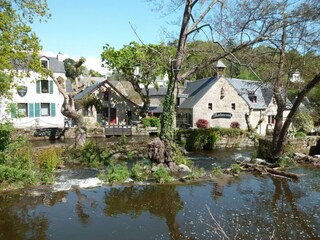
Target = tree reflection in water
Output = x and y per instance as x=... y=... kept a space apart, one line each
x=18 y=219
x=266 y=207
x=161 y=201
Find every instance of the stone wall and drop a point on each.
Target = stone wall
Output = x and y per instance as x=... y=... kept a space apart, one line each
x=235 y=142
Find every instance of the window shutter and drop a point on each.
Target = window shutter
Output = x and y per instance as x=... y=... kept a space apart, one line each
x=13 y=109
x=51 y=87
x=37 y=109
x=52 y=109
x=38 y=86
x=31 y=110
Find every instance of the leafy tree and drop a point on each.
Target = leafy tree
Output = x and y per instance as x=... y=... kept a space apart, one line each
x=140 y=65
x=19 y=46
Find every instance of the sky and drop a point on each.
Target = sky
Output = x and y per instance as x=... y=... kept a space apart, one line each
x=80 y=28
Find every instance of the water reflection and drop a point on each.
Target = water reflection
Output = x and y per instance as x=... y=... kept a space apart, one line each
x=161 y=201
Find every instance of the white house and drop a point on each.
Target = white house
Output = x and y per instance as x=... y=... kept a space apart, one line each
x=36 y=102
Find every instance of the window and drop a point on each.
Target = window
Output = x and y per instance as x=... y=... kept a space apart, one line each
x=44 y=63
x=210 y=106
x=253 y=98
x=45 y=109
x=271 y=119
x=106 y=95
x=44 y=86
x=22 y=109
x=233 y=106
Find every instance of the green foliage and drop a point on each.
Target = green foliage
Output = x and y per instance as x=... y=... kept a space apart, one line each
x=117 y=172
x=300 y=135
x=303 y=122
x=140 y=171
x=161 y=175
x=201 y=139
x=90 y=101
x=90 y=154
x=197 y=173
x=48 y=160
x=151 y=122
x=17 y=41
x=5 y=84
x=5 y=136
x=235 y=168
x=216 y=170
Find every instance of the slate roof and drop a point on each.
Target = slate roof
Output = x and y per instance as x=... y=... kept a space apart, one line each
x=161 y=91
x=195 y=91
x=124 y=88
x=55 y=65
x=245 y=88
x=88 y=90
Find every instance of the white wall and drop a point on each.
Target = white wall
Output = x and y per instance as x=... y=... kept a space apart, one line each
x=33 y=97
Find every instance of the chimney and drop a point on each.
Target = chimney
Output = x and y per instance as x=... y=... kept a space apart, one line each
x=219 y=68
x=60 y=57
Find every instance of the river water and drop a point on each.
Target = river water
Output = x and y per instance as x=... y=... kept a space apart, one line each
x=245 y=207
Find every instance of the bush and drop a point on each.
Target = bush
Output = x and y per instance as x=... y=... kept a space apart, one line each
x=235 y=168
x=161 y=175
x=48 y=160
x=300 y=135
x=5 y=135
x=140 y=171
x=216 y=170
x=117 y=172
x=202 y=123
x=151 y=122
x=235 y=125
x=90 y=155
x=201 y=139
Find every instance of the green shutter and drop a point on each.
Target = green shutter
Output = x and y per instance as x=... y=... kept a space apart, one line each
x=38 y=86
x=52 y=109
x=13 y=109
x=31 y=110
x=37 y=109
x=51 y=86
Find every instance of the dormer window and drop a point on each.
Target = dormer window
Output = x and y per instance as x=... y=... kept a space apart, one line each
x=253 y=98
x=45 y=63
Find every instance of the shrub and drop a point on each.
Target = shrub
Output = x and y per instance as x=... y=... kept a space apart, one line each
x=117 y=172
x=197 y=173
x=90 y=155
x=216 y=170
x=48 y=159
x=235 y=125
x=202 y=123
x=5 y=135
x=161 y=175
x=300 y=135
x=235 y=168
x=140 y=171
x=201 y=139
x=151 y=122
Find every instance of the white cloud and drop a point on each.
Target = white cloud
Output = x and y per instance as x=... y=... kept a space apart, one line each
x=91 y=62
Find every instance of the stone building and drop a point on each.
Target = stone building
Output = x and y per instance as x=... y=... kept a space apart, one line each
x=227 y=101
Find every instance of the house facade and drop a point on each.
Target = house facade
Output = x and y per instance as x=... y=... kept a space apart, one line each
x=36 y=102
x=227 y=101
x=119 y=102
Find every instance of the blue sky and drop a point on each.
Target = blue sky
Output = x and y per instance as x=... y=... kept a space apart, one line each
x=81 y=27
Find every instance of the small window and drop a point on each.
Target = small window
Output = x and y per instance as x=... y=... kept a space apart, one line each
x=22 y=109
x=44 y=86
x=44 y=63
x=271 y=119
x=233 y=106
x=210 y=106
x=45 y=109
x=106 y=95
x=253 y=98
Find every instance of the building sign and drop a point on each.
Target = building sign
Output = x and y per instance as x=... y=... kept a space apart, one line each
x=22 y=90
x=222 y=115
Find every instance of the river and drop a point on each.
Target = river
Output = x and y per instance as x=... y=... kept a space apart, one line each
x=248 y=207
